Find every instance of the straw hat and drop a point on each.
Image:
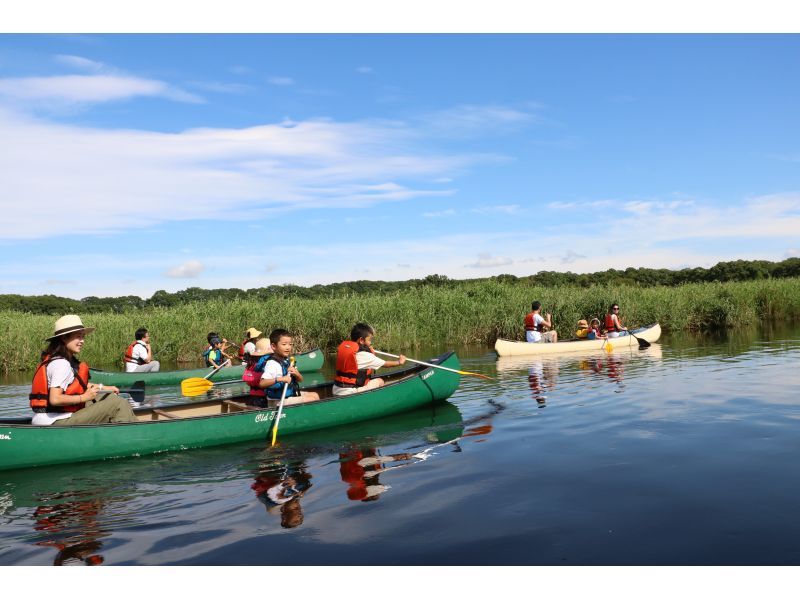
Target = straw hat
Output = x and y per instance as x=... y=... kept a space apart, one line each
x=582 y=324
x=252 y=333
x=67 y=325
x=262 y=348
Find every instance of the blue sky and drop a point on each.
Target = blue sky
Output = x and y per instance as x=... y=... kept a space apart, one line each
x=132 y=163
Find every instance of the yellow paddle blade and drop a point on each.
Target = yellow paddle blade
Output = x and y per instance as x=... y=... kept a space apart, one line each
x=474 y=374
x=609 y=347
x=195 y=386
x=274 y=434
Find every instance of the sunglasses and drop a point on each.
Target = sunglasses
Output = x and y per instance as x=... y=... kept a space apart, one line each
x=615 y=309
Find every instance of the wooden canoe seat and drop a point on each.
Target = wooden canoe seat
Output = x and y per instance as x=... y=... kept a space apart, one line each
x=163 y=413
x=238 y=406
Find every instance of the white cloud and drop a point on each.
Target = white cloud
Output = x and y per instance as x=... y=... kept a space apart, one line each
x=239 y=69
x=79 y=62
x=485 y=260
x=207 y=173
x=190 y=269
x=281 y=81
x=439 y=214
x=365 y=70
x=218 y=87
x=503 y=209
x=77 y=89
x=471 y=119
x=570 y=256
x=792 y=252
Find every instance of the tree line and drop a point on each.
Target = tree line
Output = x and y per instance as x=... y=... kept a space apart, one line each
x=738 y=270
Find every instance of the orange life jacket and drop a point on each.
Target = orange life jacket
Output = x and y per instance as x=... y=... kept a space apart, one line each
x=610 y=324
x=129 y=355
x=347 y=373
x=40 y=391
x=529 y=325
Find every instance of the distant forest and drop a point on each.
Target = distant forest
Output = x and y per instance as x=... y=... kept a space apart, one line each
x=644 y=277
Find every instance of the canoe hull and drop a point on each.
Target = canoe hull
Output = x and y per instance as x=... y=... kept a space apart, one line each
x=507 y=348
x=311 y=361
x=24 y=445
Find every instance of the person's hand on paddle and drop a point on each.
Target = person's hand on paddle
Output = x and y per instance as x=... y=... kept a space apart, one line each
x=401 y=360
x=103 y=388
x=293 y=371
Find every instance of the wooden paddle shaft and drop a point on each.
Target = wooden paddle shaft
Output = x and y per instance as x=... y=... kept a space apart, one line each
x=427 y=363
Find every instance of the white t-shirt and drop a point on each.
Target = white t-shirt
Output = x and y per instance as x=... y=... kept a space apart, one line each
x=139 y=352
x=59 y=373
x=534 y=336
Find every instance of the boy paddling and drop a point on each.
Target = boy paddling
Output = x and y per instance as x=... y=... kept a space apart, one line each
x=356 y=362
x=537 y=328
x=278 y=371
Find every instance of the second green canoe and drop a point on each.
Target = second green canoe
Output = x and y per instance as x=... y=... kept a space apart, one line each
x=310 y=361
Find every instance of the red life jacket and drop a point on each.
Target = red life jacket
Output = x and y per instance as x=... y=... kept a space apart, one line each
x=241 y=348
x=252 y=378
x=610 y=324
x=347 y=373
x=129 y=355
x=40 y=391
x=529 y=325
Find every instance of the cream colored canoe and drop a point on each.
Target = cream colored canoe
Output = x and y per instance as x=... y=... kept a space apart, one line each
x=503 y=347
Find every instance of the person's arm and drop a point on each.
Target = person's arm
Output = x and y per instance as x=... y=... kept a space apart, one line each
x=149 y=357
x=295 y=373
x=272 y=377
x=547 y=322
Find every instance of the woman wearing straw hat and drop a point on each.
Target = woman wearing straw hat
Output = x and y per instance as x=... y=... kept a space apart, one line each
x=61 y=394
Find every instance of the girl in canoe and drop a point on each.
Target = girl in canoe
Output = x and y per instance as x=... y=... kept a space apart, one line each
x=61 y=394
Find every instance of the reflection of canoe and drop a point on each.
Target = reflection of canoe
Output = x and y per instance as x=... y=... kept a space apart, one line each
x=518 y=363
x=220 y=421
x=310 y=361
x=503 y=347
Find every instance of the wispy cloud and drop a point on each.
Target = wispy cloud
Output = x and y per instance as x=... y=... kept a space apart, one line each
x=79 y=62
x=219 y=87
x=154 y=176
x=88 y=89
x=502 y=209
x=439 y=214
x=280 y=81
x=365 y=70
x=190 y=269
x=570 y=256
x=239 y=69
x=469 y=119
x=792 y=252
x=486 y=260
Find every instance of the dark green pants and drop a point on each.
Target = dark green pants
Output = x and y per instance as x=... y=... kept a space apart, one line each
x=107 y=408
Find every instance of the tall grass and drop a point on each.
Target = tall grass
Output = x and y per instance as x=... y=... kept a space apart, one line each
x=408 y=319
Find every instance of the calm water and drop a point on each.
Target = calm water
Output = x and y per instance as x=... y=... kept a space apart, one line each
x=686 y=453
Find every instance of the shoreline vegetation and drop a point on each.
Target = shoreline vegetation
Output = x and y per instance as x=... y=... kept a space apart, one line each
x=444 y=312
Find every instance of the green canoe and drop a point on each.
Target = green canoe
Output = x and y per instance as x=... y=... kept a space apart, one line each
x=311 y=361
x=220 y=421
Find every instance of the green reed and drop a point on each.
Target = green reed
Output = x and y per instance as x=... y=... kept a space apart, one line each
x=464 y=313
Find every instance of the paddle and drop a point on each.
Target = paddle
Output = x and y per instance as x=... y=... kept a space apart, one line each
x=191 y=387
x=280 y=406
x=643 y=344
x=433 y=365
x=608 y=346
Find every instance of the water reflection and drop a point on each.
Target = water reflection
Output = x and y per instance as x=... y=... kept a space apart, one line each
x=280 y=487
x=69 y=523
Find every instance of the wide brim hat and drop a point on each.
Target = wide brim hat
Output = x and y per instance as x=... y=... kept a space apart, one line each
x=583 y=324
x=67 y=325
x=263 y=347
x=252 y=332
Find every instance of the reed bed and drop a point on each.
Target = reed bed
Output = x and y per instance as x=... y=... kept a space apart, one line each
x=466 y=313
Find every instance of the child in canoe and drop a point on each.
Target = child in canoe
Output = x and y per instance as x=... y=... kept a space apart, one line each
x=61 y=394
x=356 y=362
x=214 y=354
x=279 y=372
x=537 y=328
x=248 y=345
x=595 y=331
